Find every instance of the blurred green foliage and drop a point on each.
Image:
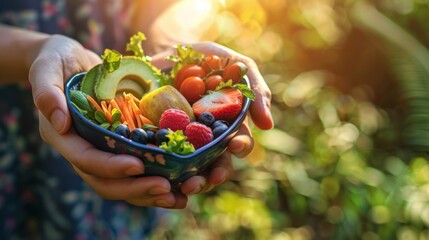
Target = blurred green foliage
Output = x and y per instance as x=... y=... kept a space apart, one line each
x=343 y=161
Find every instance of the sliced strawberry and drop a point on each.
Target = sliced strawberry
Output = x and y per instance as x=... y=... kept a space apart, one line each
x=224 y=104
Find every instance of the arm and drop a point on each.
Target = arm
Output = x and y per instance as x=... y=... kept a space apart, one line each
x=17 y=51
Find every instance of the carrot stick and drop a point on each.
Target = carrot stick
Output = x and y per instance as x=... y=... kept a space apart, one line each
x=134 y=106
x=128 y=116
x=135 y=112
x=134 y=98
x=106 y=112
x=145 y=120
x=138 y=121
x=94 y=103
x=115 y=105
x=109 y=106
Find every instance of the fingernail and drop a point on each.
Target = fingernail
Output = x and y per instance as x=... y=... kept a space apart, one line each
x=163 y=203
x=133 y=171
x=158 y=191
x=58 y=120
x=238 y=147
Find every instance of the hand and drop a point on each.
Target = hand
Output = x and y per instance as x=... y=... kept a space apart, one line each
x=110 y=175
x=242 y=143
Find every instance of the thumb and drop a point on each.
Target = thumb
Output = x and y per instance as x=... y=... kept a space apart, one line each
x=57 y=61
x=46 y=79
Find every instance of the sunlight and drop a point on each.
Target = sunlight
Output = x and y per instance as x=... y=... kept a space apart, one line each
x=189 y=20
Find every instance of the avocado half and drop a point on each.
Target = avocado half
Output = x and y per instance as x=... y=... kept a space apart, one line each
x=133 y=76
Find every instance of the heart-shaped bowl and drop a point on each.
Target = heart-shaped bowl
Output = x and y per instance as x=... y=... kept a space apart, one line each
x=158 y=162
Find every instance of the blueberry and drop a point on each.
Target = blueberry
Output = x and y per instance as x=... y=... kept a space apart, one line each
x=206 y=118
x=150 y=136
x=123 y=130
x=219 y=123
x=160 y=136
x=139 y=135
x=218 y=130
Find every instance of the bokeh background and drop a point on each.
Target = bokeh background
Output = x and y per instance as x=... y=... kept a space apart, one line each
x=347 y=158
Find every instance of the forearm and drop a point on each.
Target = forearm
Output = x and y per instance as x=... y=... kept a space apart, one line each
x=18 y=48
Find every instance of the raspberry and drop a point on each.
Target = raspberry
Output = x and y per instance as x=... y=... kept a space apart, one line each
x=198 y=134
x=174 y=119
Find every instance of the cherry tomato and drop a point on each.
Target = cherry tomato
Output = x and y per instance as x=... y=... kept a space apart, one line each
x=191 y=70
x=235 y=72
x=213 y=81
x=211 y=63
x=192 y=88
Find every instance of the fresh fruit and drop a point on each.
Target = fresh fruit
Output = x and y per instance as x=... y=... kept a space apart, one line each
x=139 y=135
x=161 y=136
x=123 y=130
x=191 y=70
x=174 y=119
x=211 y=63
x=224 y=104
x=192 y=89
x=150 y=136
x=206 y=118
x=88 y=81
x=132 y=76
x=235 y=71
x=213 y=81
x=218 y=123
x=154 y=103
x=218 y=128
x=198 y=134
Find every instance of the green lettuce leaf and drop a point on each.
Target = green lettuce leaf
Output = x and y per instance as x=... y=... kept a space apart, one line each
x=135 y=45
x=185 y=55
x=111 y=60
x=177 y=143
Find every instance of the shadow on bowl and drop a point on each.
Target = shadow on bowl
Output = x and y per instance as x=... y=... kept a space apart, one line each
x=158 y=162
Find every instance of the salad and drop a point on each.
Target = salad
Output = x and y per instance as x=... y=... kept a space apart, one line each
x=179 y=111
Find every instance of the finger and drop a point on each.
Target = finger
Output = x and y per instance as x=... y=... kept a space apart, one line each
x=170 y=201
x=127 y=188
x=219 y=172
x=242 y=143
x=193 y=185
x=260 y=108
x=92 y=59
x=159 y=60
x=222 y=170
x=88 y=159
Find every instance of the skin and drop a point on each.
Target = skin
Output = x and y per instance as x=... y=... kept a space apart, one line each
x=47 y=61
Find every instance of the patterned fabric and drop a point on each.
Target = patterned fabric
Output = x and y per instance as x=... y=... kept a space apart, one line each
x=40 y=196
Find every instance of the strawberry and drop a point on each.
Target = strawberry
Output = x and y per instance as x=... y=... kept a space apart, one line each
x=174 y=119
x=224 y=104
x=198 y=134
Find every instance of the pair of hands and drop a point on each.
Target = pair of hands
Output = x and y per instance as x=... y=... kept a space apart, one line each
x=110 y=175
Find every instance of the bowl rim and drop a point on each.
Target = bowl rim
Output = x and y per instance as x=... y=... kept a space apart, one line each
x=75 y=81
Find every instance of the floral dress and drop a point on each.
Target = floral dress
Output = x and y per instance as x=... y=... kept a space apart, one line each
x=40 y=196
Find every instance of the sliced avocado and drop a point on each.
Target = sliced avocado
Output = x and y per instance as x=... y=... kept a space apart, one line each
x=133 y=76
x=89 y=80
x=130 y=85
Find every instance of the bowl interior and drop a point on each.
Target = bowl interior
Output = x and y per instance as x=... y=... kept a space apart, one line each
x=175 y=167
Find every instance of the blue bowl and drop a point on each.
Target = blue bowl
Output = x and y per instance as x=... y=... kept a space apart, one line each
x=158 y=162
